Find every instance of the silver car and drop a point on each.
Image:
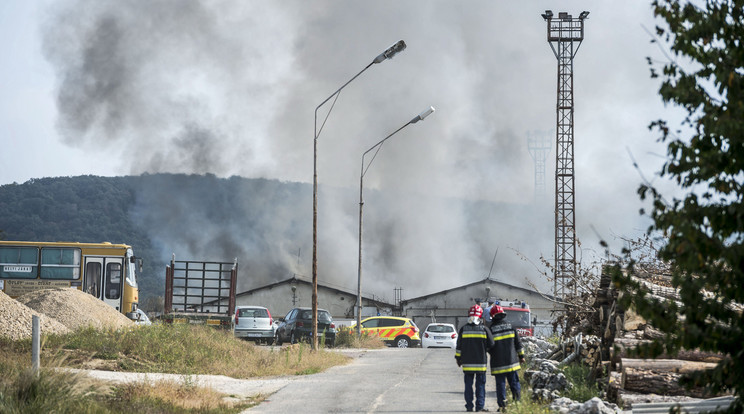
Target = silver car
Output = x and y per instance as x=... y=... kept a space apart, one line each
x=253 y=323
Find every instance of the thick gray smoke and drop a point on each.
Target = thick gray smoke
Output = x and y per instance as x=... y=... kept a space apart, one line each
x=229 y=88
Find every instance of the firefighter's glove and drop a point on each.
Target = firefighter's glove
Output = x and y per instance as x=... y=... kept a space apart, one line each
x=521 y=360
x=459 y=363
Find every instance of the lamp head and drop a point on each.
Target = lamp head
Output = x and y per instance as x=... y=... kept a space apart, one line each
x=422 y=115
x=547 y=15
x=390 y=52
x=583 y=15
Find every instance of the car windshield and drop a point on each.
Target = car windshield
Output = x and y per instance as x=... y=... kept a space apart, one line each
x=323 y=316
x=440 y=328
x=253 y=313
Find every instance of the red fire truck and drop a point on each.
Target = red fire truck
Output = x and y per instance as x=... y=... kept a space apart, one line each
x=518 y=315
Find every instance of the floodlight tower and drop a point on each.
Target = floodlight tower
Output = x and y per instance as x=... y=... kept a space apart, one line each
x=538 y=144
x=565 y=34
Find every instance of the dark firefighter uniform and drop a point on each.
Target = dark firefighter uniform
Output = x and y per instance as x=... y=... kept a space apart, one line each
x=506 y=355
x=471 y=353
x=507 y=349
x=473 y=343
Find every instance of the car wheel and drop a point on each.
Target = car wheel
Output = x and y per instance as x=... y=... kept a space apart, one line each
x=278 y=339
x=402 y=342
x=292 y=339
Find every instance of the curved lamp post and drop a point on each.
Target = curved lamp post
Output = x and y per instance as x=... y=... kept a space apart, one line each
x=387 y=54
x=419 y=117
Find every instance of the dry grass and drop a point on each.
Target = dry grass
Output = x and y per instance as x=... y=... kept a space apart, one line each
x=184 y=349
x=188 y=397
x=347 y=338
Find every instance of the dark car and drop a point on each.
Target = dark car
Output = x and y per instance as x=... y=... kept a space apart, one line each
x=298 y=326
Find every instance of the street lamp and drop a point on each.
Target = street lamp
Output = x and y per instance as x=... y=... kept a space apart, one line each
x=387 y=54
x=419 y=117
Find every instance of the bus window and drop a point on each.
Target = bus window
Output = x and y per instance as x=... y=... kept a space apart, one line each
x=93 y=278
x=113 y=280
x=60 y=263
x=18 y=262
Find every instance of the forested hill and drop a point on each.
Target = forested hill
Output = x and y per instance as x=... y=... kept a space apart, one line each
x=417 y=242
x=195 y=217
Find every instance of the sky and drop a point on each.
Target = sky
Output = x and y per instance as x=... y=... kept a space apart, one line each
x=230 y=88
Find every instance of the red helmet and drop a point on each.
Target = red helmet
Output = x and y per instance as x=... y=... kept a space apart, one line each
x=475 y=310
x=496 y=309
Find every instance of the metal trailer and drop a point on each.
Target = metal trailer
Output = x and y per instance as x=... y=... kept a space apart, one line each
x=200 y=292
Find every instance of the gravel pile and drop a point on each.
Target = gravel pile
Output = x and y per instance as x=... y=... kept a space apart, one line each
x=75 y=309
x=15 y=320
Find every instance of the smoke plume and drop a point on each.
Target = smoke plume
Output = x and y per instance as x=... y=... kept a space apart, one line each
x=226 y=88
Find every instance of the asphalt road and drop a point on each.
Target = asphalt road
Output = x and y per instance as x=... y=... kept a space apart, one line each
x=388 y=380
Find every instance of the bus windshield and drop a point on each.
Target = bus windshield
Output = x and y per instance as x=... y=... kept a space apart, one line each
x=131 y=276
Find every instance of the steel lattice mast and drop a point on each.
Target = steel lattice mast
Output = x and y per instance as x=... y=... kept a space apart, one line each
x=565 y=34
x=538 y=144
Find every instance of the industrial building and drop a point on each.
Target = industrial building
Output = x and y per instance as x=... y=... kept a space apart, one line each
x=451 y=305
x=282 y=296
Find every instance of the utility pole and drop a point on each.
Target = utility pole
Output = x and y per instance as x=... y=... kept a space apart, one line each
x=565 y=35
x=398 y=298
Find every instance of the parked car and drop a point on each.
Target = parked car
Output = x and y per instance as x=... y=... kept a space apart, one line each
x=298 y=326
x=253 y=323
x=395 y=331
x=439 y=335
x=141 y=318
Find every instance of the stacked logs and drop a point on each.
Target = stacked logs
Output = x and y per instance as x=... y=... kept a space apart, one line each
x=660 y=376
x=589 y=349
x=631 y=378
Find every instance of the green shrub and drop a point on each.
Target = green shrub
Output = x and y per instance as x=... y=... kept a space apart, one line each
x=583 y=388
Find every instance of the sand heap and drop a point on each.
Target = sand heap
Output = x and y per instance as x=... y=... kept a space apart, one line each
x=15 y=320
x=75 y=309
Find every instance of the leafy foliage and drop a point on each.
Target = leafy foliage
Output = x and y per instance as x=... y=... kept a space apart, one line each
x=704 y=229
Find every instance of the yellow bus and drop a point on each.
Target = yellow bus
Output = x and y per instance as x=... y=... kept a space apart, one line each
x=105 y=270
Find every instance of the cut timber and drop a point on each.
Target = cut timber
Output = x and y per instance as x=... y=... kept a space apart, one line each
x=627 y=399
x=664 y=365
x=624 y=348
x=614 y=386
x=651 y=382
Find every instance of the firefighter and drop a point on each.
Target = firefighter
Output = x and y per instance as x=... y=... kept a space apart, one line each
x=506 y=356
x=471 y=353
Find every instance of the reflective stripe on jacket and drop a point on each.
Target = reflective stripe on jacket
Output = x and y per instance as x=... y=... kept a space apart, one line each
x=507 y=348
x=473 y=342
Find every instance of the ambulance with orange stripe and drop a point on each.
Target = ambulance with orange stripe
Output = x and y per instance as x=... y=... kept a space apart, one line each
x=395 y=331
